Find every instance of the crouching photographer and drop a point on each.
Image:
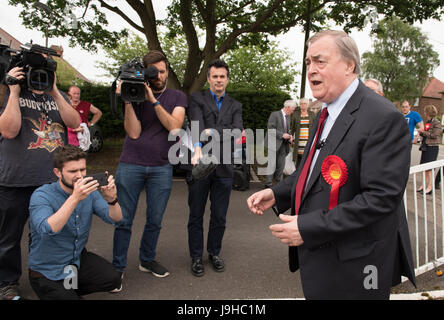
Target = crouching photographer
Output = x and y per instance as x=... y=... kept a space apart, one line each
x=144 y=160
x=33 y=124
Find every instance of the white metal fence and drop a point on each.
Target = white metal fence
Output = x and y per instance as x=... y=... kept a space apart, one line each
x=425 y=216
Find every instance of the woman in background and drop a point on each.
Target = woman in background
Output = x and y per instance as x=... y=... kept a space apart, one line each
x=431 y=136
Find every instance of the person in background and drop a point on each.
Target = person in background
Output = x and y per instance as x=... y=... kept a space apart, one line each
x=375 y=85
x=301 y=125
x=84 y=108
x=413 y=119
x=215 y=112
x=431 y=135
x=278 y=131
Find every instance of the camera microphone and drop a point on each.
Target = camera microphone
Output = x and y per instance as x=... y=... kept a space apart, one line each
x=320 y=144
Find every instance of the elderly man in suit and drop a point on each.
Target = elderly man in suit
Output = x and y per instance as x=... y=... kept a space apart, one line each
x=278 y=141
x=215 y=112
x=347 y=232
x=375 y=85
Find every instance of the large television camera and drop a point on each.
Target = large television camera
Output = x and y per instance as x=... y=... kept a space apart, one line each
x=133 y=77
x=39 y=70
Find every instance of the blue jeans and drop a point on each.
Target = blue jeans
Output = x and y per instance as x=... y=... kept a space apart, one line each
x=130 y=180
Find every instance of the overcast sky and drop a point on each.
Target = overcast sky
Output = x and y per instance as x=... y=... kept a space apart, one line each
x=292 y=41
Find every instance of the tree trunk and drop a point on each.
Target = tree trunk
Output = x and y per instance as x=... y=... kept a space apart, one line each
x=307 y=35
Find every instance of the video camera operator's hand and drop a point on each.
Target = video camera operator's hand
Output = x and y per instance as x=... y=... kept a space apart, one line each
x=149 y=94
x=54 y=91
x=17 y=74
x=84 y=187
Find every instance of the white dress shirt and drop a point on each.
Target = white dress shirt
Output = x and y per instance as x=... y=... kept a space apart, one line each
x=334 y=109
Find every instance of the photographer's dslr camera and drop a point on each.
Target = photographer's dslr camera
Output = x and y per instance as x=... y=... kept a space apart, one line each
x=39 y=70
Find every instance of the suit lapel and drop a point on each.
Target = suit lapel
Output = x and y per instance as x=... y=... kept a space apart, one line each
x=211 y=103
x=336 y=135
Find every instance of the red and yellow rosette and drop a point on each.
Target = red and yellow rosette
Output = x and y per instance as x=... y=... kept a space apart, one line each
x=335 y=174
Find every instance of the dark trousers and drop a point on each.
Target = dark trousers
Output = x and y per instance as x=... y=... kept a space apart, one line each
x=95 y=275
x=14 y=212
x=219 y=190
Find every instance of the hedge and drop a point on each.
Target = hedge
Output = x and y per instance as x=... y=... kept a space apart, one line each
x=256 y=107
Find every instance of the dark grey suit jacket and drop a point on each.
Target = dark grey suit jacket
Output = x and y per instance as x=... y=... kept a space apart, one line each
x=276 y=122
x=203 y=108
x=368 y=227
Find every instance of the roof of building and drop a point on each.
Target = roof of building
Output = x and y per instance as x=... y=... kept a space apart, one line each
x=434 y=89
x=6 y=38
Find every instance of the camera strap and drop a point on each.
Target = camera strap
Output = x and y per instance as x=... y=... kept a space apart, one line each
x=113 y=98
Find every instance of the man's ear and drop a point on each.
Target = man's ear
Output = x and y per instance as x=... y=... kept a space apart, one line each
x=57 y=172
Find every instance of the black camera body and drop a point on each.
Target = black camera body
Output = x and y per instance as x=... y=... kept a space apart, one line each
x=134 y=76
x=39 y=70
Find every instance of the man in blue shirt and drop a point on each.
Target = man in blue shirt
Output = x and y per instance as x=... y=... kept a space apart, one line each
x=216 y=114
x=60 y=222
x=413 y=118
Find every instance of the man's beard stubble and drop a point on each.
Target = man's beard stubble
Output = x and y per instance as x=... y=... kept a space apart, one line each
x=158 y=88
x=66 y=184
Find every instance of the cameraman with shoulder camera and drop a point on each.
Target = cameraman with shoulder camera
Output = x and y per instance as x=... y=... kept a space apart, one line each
x=144 y=163
x=32 y=125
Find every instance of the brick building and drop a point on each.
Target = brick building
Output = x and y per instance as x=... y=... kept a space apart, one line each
x=433 y=94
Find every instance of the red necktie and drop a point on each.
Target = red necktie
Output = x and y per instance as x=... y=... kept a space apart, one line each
x=300 y=185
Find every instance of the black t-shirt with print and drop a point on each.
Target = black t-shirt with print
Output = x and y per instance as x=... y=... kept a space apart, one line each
x=26 y=160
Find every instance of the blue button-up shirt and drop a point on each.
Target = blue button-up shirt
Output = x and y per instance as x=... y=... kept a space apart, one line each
x=50 y=252
x=218 y=101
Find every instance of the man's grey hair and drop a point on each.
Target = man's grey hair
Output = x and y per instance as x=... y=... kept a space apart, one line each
x=304 y=100
x=346 y=45
x=290 y=103
x=378 y=83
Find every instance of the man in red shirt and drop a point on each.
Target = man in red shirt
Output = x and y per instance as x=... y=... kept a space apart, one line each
x=84 y=107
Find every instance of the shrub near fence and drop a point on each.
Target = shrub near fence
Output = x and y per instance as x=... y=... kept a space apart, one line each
x=256 y=107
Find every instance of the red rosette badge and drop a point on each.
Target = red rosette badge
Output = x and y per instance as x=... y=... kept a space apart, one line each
x=335 y=174
x=427 y=126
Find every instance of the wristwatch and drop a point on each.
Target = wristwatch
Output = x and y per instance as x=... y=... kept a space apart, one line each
x=113 y=202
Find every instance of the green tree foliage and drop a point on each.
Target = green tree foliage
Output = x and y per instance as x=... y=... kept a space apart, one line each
x=226 y=24
x=402 y=59
x=265 y=70
x=134 y=46
x=246 y=63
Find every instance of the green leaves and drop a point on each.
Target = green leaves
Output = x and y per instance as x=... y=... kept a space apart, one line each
x=225 y=24
x=402 y=59
x=256 y=68
x=64 y=18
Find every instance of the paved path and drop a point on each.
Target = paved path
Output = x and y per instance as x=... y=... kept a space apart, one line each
x=256 y=262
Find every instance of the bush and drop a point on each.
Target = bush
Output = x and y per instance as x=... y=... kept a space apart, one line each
x=256 y=107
